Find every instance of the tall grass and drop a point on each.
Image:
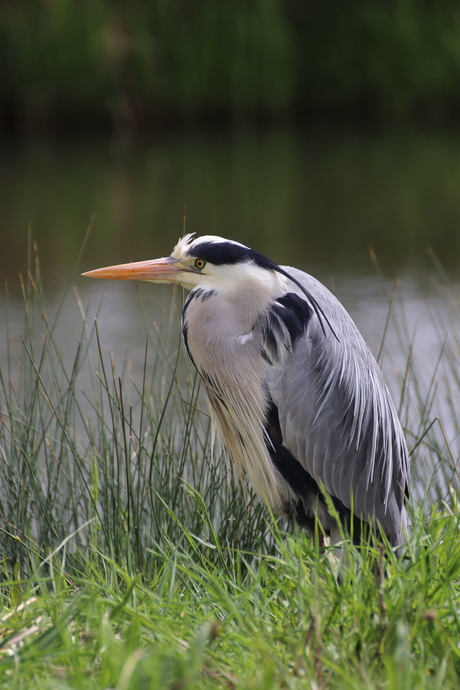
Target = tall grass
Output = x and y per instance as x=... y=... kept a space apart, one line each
x=111 y=465
x=131 y=558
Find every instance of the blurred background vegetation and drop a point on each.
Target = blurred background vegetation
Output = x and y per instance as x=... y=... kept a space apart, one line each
x=107 y=63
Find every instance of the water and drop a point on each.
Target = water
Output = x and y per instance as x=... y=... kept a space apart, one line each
x=307 y=198
x=317 y=200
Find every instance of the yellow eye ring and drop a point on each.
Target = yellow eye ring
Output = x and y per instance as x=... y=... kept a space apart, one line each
x=200 y=263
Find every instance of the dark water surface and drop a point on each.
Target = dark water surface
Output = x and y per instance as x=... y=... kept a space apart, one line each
x=299 y=197
x=316 y=200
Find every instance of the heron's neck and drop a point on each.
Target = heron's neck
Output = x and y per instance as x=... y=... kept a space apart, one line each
x=248 y=294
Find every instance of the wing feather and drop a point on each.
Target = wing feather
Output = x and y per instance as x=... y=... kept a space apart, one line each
x=337 y=417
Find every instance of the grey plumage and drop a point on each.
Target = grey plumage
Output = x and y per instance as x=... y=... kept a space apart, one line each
x=294 y=392
x=338 y=419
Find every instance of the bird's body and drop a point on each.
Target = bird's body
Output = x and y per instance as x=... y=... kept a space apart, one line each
x=294 y=392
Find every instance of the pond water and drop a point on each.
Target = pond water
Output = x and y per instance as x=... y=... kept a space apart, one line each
x=314 y=199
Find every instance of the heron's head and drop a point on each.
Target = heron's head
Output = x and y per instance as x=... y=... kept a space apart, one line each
x=224 y=266
x=210 y=261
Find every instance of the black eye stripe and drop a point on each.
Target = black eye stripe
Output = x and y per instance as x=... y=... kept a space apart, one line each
x=219 y=253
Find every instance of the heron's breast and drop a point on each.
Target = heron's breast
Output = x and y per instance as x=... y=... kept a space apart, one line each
x=218 y=339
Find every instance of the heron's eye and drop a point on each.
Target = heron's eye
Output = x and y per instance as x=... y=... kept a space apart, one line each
x=200 y=263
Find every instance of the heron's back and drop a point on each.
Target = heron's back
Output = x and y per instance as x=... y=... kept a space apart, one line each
x=337 y=417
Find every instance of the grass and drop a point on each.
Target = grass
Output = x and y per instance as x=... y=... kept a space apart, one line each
x=131 y=558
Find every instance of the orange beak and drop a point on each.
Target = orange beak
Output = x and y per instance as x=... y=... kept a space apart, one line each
x=157 y=271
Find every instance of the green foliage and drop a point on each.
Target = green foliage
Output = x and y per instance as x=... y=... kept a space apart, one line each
x=101 y=61
x=131 y=559
x=245 y=622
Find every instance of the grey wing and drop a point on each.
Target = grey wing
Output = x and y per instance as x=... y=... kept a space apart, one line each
x=337 y=417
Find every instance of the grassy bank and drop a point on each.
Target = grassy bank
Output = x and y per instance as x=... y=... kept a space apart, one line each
x=132 y=559
x=102 y=63
x=214 y=616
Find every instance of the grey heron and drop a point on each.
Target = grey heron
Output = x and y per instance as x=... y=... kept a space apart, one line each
x=294 y=391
